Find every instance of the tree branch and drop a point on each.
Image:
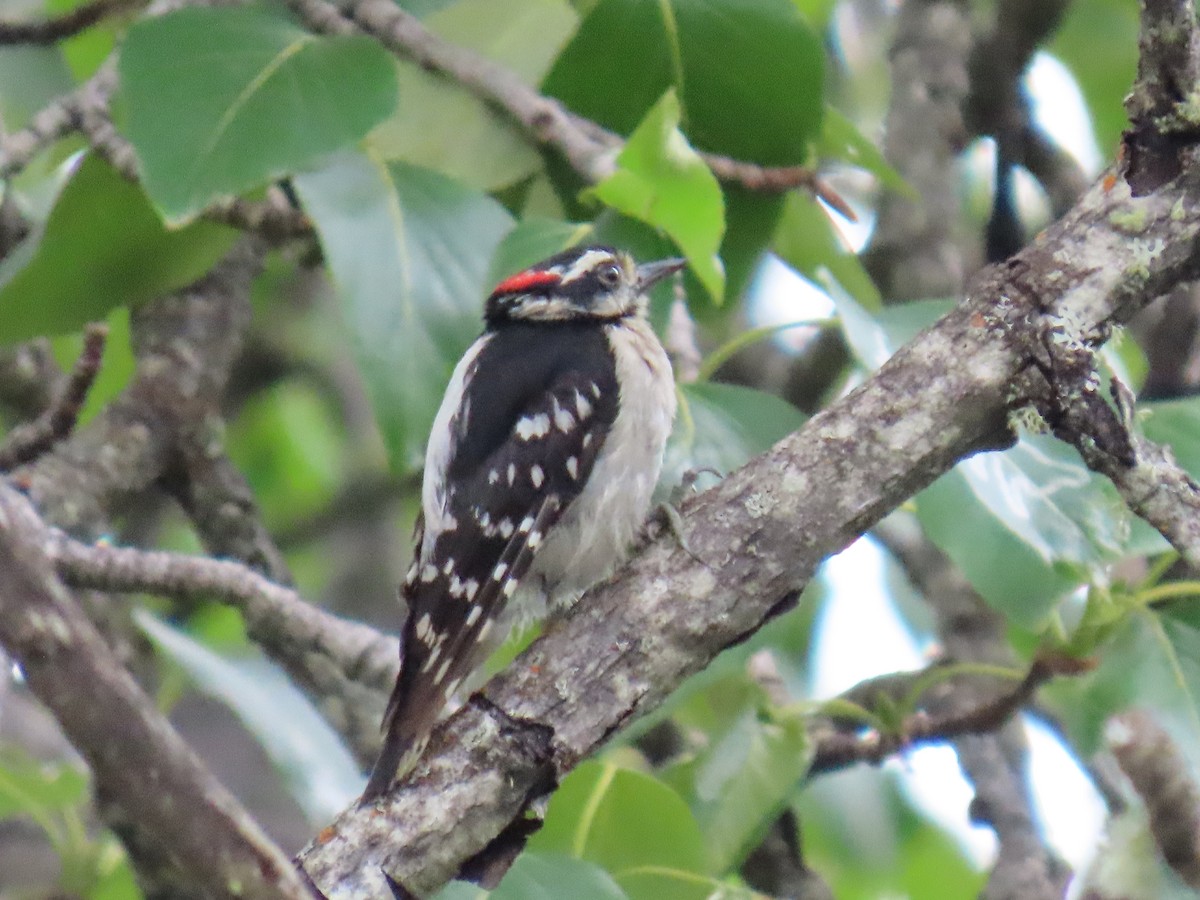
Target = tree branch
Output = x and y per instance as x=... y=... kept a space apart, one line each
x=837 y=751
x=26 y=442
x=1162 y=778
x=136 y=758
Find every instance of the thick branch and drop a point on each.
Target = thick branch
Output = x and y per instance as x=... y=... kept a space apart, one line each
x=756 y=538
x=137 y=760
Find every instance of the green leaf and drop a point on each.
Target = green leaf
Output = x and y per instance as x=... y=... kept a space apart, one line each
x=320 y=773
x=807 y=240
x=720 y=426
x=222 y=100
x=1096 y=42
x=30 y=78
x=748 y=73
x=1175 y=423
x=537 y=876
x=840 y=139
x=102 y=246
x=442 y=126
x=621 y=820
x=409 y=251
x=1026 y=525
x=661 y=181
x=532 y=240
x=29 y=785
x=745 y=781
x=1153 y=661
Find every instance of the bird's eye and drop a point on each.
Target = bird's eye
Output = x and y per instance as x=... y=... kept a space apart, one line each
x=609 y=275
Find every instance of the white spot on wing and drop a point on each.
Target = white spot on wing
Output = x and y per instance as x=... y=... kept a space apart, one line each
x=499 y=571
x=424 y=628
x=573 y=467
x=473 y=615
x=582 y=407
x=536 y=475
x=529 y=427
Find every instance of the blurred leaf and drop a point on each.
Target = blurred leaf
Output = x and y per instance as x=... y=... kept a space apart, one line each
x=861 y=833
x=30 y=78
x=1026 y=525
x=29 y=785
x=1153 y=661
x=807 y=240
x=103 y=246
x=661 y=181
x=744 y=782
x=1123 y=357
x=442 y=126
x=1096 y=41
x=409 y=252
x=291 y=448
x=532 y=240
x=461 y=890
x=1175 y=423
x=222 y=100
x=320 y=773
x=86 y=50
x=750 y=221
x=841 y=139
x=816 y=12
x=537 y=876
x=621 y=820
x=762 y=101
x=720 y=426
x=113 y=877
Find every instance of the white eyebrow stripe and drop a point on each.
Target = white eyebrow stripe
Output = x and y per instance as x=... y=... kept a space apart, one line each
x=585 y=264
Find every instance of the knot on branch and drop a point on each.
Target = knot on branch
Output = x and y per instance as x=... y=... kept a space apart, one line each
x=1072 y=404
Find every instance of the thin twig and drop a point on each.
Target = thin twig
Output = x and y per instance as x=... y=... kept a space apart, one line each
x=837 y=751
x=27 y=442
x=56 y=28
x=275 y=612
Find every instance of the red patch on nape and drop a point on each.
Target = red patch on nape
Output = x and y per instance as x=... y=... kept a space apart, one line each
x=526 y=281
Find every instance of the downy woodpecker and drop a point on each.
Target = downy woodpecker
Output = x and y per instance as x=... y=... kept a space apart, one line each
x=539 y=470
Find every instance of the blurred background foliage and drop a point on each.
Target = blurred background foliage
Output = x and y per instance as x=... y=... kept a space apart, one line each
x=421 y=197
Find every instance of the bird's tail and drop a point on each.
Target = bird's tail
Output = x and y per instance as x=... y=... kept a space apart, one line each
x=406 y=727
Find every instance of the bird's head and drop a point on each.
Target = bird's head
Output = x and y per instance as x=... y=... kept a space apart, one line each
x=579 y=284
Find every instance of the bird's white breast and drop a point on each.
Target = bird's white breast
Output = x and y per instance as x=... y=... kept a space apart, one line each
x=595 y=533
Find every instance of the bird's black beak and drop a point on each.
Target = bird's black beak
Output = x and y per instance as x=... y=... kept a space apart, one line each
x=652 y=273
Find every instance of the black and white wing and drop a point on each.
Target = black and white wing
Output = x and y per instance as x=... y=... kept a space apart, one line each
x=509 y=455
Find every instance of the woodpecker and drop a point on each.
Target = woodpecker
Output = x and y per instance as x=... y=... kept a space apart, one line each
x=539 y=469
